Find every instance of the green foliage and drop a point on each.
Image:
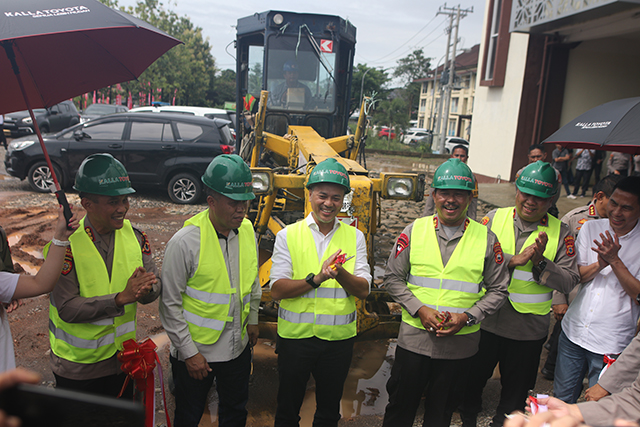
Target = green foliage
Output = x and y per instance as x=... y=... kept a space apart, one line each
x=410 y=68
x=375 y=81
x=392 y=113
x=187 y=71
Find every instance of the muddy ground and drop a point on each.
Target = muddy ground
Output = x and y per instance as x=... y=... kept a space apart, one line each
x=27 y=218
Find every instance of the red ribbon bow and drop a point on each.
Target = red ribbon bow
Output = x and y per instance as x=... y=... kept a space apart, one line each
x=138 y=361
x=608 y=361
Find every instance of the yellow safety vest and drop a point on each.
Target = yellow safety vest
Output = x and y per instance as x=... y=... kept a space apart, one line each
x=207 y=298
x=526 y=296
x=455 y=287
x=95 y=341
x=327 y=312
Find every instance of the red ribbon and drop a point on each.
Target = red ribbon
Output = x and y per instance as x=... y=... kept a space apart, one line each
x=608 y=361
x=138 y=361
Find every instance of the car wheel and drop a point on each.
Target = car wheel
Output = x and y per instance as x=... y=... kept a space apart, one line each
x=184 y=188
x=44 y=129
x=40 y=177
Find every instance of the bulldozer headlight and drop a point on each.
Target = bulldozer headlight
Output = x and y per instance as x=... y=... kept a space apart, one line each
x=408 y=186
x=400 y=187
x=262 y=181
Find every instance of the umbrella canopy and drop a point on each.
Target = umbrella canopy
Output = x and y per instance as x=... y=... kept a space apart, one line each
x=614 y=126
x=65 y=48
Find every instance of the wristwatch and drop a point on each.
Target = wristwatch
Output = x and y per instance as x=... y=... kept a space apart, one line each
x=540 y=266
x=472 y=320
x=311 y=282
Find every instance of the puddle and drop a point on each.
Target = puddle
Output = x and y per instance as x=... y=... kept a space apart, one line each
x=364 y=390
x=29 y=268
x=34 y=252
x=14 y=238
x=378 y=271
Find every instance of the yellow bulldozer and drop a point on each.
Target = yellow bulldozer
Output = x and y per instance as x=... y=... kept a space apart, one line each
x=299 y=67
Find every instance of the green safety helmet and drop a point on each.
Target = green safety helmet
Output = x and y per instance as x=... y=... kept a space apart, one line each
x=330 y=171
x=538 y=179
x=454 y=175
x=104 y=175
x=230 y=176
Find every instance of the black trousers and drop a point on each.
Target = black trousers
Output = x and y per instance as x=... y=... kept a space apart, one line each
x=106 y=386
x=232 y=382
x=412 y=375
x=328 y=362
x=519 y=362
x=550 y=363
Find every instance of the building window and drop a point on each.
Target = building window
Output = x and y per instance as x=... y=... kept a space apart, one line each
x=421 y=123
x=454 y=105
x=452 y=127
x=496 y=43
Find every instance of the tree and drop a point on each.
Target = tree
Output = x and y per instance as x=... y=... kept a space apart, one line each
x=186 y=72
x=392 y=113
x=410 y=68
x=375 y=81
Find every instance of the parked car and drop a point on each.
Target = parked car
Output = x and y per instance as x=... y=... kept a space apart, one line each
x=384 y=133
x=210 y=113
x=159 y=150
x=94 y=111
x=415 y=135
x=52 y=119
x=449 y=143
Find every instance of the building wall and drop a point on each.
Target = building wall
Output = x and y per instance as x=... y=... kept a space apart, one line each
x=495 y=115
x=600 y=71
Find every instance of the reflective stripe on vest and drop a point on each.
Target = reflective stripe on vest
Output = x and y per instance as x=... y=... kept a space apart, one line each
x=207 y=298
x=525 y=294
x=99 y=340
x=327 y=312
x=454 y=287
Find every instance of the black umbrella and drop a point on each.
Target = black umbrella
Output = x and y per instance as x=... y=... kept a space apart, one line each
x=614 y=126
x=59 y=49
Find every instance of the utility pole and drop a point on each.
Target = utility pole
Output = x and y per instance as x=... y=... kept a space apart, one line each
x=446 y=95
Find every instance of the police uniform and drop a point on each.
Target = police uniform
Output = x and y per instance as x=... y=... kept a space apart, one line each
x=422 y=359
x=6 y=263
x=71 y=307
x=515 y=338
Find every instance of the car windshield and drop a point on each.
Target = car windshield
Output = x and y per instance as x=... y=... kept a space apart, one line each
x=296 y=78
x=100 y=109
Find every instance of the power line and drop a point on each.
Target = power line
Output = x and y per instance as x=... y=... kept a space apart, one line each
x=411 y=38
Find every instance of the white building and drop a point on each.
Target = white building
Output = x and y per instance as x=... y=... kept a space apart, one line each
x=542 y=63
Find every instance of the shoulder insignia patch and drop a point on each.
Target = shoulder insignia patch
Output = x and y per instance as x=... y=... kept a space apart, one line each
x=435 y=221
x=89 y=231
x=514 y=213
x=497 y=253
x=485 y=220
x=592 y=210
x=466 y=224
x=146 y=249
x=67 y=265
x=570 y=245
x=401 y=244
x=545 y=220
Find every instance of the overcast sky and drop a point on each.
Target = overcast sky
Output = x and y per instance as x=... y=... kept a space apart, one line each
x=386 y=30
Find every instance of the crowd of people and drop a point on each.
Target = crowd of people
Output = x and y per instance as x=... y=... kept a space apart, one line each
x=473 y=295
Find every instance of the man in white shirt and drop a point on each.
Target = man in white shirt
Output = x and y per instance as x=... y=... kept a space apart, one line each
x=603 y=317
x=317 y=290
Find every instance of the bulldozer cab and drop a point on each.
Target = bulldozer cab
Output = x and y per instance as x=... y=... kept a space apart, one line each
x=305 y=62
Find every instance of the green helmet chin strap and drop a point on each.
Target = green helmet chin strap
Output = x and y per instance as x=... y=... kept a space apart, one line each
x=538 y=179
x=230 y=176
x=332 y=172
x=104 y=175
x=454 y=175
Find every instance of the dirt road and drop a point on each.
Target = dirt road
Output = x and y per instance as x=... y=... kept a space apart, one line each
x=27 y=219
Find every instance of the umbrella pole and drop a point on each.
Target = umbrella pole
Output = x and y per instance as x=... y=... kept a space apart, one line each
x=60 y=195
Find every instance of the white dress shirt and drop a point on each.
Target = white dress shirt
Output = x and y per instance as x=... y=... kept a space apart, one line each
x=8 y=284
x=603 y=317
x=281 y=258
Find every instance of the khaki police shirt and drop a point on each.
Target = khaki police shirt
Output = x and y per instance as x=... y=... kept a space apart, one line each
x=560 y=274
x=6 y=263
x=496 y=281
x=73 y=308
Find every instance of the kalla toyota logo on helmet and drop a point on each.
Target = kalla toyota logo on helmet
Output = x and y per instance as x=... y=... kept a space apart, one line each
x=105 y=181
x=49 y=12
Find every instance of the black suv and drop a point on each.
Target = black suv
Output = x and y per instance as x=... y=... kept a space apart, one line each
x=158 y=150
x=52 y=119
